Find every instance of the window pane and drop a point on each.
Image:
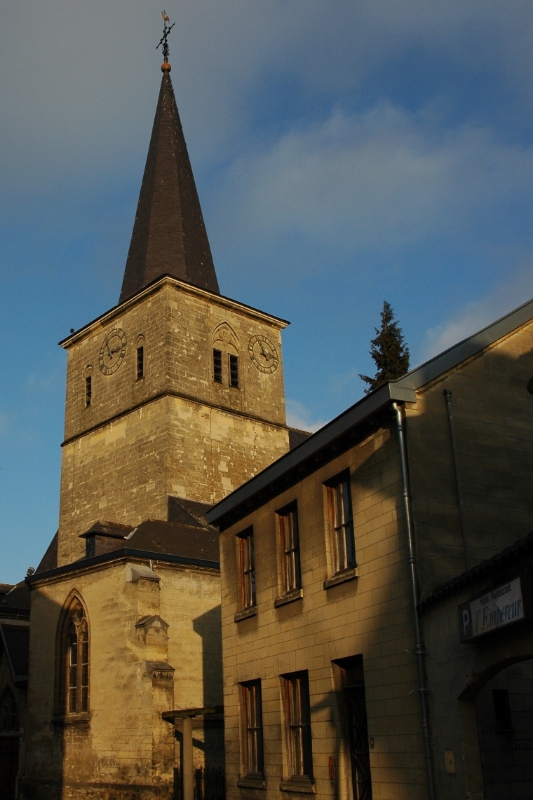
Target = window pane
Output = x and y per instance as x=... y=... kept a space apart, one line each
x=253 y=727
x=288 y=524
x=299 y=729
x=246 y=547
x=342 y=535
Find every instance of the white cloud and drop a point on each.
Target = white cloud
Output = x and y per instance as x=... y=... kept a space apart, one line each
x=516 y=290
x=381 y=179
x=80 y=80
x=298 y=416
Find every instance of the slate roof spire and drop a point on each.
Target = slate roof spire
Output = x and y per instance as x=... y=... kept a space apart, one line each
x=169 y=235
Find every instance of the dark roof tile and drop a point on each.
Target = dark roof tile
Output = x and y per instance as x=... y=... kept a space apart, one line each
x=169 y=235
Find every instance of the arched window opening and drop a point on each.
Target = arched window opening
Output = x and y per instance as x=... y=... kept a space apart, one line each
x=75 y=655
x=225 y=367
x=9 y=715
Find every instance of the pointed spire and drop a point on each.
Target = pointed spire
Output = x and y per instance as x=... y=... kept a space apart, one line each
x=169 y=236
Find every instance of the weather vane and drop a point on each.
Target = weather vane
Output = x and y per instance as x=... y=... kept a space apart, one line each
x=164 y=40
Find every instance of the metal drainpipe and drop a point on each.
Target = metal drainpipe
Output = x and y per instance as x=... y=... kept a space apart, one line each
x=448 y=395
x=419 y=647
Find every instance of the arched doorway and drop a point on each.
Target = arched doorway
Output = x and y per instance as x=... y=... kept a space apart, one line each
x=504 y=714
x=9 y=744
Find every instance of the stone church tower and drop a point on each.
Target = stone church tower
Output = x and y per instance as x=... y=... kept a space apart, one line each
x=174 y=398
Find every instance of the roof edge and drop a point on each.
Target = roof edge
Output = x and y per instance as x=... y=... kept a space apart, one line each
x=157 y=284
x=466 y=348
x=118 y=555
x=357 y=413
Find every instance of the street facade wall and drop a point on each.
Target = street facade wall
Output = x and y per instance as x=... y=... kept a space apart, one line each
x=493 y=422
x=368 y=615
x=458 y=674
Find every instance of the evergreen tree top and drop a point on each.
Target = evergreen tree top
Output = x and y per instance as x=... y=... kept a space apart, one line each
x=389 y=351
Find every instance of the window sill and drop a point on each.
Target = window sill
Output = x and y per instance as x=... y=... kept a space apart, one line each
x=342 y=577
x=245 y=613
x=303 y=785
x=290 y=597
x=83 y=719
x=252 y=782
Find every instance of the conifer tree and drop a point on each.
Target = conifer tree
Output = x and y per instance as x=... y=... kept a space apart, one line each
x=389 y=351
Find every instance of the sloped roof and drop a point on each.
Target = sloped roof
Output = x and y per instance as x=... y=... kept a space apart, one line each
x=189 y=541
x=519 y=550
x=325 y=443
x=49 y=560
x=169 y=235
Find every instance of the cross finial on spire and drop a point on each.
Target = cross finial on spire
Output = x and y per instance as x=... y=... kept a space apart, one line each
x=165 y=66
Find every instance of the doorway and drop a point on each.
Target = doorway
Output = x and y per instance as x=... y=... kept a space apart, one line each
x=504 y=714
x=354 y=710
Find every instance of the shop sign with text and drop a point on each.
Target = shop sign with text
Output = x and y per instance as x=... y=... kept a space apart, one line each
x=495 y=609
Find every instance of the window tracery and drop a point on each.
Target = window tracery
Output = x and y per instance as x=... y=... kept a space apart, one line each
x=74 y=661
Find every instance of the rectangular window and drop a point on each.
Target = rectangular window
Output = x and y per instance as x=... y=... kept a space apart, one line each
x=234 y=371
x=290 y=548
x=246 y=551
x=252 y=728
x=298 y=724
x=140 y=363
x=341 y=522
x=88 y=391
x=217 y=366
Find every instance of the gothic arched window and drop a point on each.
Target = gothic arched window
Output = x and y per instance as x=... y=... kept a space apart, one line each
x=74 y=677
x=9 y=715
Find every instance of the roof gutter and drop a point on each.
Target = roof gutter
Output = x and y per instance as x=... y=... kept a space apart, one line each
x=353 y=416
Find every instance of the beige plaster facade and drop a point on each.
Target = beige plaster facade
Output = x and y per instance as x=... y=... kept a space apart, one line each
x=366 y=614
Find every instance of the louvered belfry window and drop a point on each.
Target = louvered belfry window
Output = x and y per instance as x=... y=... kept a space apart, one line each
x=217 y=365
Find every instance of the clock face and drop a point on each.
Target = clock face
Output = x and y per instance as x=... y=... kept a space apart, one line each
x=263 y=353
x=112 y=351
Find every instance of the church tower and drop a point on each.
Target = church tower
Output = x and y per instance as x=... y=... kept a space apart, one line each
x=177 y=391
x=174 y=398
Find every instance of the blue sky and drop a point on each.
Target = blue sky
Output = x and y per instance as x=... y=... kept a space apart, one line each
x=345 y=153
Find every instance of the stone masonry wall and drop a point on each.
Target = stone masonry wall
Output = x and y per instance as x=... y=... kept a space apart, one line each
x=175 y=431
x=124 y=749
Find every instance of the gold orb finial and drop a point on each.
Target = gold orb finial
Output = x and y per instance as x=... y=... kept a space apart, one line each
x=165 y=67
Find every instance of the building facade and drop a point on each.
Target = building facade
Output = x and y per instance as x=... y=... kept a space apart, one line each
x=346 y=568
